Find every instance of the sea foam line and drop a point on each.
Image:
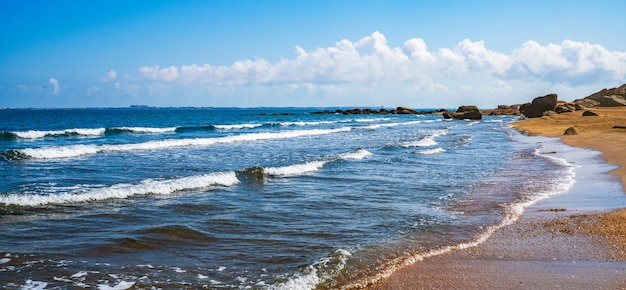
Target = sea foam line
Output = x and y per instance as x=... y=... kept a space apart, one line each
x=35 y=134
x=124 y=190
x=514 y=213
x=79 y=150
x=304 y=168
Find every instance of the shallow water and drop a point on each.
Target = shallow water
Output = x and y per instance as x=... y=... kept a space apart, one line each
x=260 y=198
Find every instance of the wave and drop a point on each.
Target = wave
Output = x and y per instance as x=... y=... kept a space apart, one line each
x=430 y=151
x=80 y=150
x=300 y=169
x=317 y=273
x=512 y=213
x=302 y=123
x=427 y=141
x=80 y=194
x=143 y=129
x=36 y=134
x=122 y=191
x=237 y=126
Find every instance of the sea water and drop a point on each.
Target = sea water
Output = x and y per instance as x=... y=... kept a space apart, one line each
x=263 y=198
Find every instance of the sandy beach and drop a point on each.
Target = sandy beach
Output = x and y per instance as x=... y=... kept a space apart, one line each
x=573 y=241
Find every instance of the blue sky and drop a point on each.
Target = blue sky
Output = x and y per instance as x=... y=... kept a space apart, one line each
x=427 y=54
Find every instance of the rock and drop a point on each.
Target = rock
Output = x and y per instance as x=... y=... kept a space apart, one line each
x=252 y=175
x=464 y=112
x=589 y=113
x=611 y=101
x=607 y=97
x=571 y=131
x=549 y=113
x=564 y=107
x=584 y=104
x=448 y=115
x=503 y=107
x=539 y=105
x=405 y=111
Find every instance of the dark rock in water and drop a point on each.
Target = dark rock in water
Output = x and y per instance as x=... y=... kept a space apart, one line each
x=589 y=113
x=464 y=112
x=405 y=111
x=254 y=175
x=571 y=131
x=539 y=105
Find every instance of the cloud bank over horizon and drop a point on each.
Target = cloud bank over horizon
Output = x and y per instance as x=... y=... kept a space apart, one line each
x=371 y=59
x=370 y=72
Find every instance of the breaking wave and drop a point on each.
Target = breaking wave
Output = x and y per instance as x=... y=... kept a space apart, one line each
x=124 y=190
x=80 y=150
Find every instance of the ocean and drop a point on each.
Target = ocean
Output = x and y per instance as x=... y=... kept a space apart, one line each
x=259 y=198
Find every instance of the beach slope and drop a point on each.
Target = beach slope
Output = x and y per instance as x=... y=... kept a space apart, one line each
x=549 y=247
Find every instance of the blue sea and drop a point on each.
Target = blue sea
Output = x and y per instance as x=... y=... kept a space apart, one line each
x=260 y=198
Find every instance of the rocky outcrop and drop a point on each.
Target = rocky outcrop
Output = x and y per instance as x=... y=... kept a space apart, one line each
x=398 y=110
x=539 y=105
x=464 y=112
x=615 y=97
x=610 y=101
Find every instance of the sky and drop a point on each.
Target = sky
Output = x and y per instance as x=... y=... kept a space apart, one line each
x=344 y=53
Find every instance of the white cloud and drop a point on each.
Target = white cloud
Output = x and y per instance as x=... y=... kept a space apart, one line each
x=371 y=65
x=155 y=73
x=371 y=59
x=111 y=75
x=55 y=85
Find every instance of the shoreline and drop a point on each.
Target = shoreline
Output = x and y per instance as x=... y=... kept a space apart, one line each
x=574 y=240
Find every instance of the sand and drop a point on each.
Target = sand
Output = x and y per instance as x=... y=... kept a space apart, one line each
x=559 y=243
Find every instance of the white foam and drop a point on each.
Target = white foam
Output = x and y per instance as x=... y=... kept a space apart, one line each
x=356 y=155
x=34 y=134
x=376 y=126
x=5 y=260
x=427 y=141
x=79 y=150
x=32 y=285
x=304 y=168
x=147 y=129
x=424 y=142
x=123 y=285
x=301 y=123
x=371 y=120
x=317 y=273
x=237 y=126
x=297 y=169
x=431 y=151
x=124 y=190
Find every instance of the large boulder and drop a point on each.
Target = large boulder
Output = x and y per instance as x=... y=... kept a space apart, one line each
x=464 y=112
x=539 y=105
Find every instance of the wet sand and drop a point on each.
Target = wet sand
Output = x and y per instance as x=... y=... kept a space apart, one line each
x=576 y=240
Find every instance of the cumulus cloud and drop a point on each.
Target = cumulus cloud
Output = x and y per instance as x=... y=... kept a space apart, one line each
x=372 y=60
x=55 y=85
